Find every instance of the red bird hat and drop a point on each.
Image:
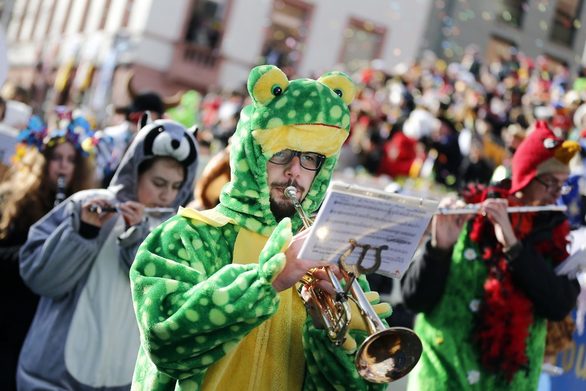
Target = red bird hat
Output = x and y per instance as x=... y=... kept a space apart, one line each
x=540 y=152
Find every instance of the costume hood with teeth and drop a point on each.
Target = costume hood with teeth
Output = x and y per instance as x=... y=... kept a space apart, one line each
x=209 y=316
x=84 y=335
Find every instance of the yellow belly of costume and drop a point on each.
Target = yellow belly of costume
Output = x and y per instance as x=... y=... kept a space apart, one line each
x=271 y=356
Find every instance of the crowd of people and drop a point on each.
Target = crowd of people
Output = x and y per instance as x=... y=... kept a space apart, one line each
x=112 y=284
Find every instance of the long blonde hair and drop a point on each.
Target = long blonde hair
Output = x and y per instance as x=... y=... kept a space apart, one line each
x=26 y=195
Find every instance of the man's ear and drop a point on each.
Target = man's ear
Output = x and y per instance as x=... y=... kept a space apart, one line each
x=145 y=119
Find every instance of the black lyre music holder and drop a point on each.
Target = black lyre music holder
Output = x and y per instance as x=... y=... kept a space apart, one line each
x=365 y=248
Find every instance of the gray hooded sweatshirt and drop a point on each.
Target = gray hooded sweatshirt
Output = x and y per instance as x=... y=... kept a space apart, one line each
x=84 y=335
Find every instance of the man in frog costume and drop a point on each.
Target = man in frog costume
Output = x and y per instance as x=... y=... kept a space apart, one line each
x=214 y=290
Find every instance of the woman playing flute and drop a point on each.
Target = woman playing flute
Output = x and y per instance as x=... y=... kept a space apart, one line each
x=485 y=284
x=84 y=335
x=48 y=161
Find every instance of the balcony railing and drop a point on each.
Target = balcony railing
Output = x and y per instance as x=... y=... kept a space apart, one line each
x=200 y=54
x=195 y=65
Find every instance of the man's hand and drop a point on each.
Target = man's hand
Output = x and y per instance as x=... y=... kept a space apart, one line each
x=295 y=268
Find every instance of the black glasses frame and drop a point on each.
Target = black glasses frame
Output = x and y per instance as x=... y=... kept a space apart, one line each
x=291 y=154
x=561 y=189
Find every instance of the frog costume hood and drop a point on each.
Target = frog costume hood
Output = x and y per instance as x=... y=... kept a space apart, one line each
x=303 y=115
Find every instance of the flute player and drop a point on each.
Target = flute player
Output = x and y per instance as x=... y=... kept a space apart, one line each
x=84 y=335
x=485 y=286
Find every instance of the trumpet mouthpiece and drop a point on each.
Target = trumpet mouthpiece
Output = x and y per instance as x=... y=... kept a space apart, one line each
x=291 y=192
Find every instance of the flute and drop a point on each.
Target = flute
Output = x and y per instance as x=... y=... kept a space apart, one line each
x=60 y=194
x=149 y=211
x=475 y=208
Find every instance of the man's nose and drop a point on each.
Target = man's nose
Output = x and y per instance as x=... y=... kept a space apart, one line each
x=294 y=167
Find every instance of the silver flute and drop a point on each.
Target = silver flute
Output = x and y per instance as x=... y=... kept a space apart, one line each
x=149 y=211
x=475 y=208
x=60 y=192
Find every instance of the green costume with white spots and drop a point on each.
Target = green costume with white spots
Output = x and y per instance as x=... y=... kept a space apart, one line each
x=196 y=302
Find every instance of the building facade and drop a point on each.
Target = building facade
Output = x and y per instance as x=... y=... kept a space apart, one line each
x=551 y=29
x=84 y=49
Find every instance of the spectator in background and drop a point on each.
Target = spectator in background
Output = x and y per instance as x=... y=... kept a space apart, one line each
x=30 y=191
x=113 y=140
x=214 y=176
x=228 y=115
x=402 y=155
x=444 y=139
x=513 y=135
x=8 y=141
x=580 y=82
x=475 y=168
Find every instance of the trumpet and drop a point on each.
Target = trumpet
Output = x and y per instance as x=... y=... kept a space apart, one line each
x=388 y=353
x=475 y=208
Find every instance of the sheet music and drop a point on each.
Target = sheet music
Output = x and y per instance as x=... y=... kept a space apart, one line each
x=576 y=262
x=370 y=217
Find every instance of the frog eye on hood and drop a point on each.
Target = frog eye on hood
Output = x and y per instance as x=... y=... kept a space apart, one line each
x=266 y=82
x=341 y=84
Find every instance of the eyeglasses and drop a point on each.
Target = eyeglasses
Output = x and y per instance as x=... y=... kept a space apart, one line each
x=554 y=187
x=309 y=160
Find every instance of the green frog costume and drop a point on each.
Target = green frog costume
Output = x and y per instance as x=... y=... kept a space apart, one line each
x=208 y=315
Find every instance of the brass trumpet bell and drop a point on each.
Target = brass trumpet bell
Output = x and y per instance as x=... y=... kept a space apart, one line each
x=388 y=355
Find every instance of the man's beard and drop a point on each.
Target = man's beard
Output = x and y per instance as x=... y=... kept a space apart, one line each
x=282 y=206
x=282 y=209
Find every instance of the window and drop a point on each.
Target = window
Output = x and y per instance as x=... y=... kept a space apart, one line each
x=204 y=27
x=362 y=44
x=511 y=11
x=127 y=13
x=105 y=13
x=565 y=17
x=285 y=38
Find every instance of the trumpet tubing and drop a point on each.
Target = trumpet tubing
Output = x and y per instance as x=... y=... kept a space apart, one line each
x=327 y=313
x=387 y=354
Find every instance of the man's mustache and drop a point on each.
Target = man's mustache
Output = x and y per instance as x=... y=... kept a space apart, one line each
x=284 y=185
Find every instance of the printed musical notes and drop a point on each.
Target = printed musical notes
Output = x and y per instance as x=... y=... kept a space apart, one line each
x=390 y=225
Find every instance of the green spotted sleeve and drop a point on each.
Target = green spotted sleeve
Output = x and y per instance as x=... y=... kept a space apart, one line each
x=192 y=304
